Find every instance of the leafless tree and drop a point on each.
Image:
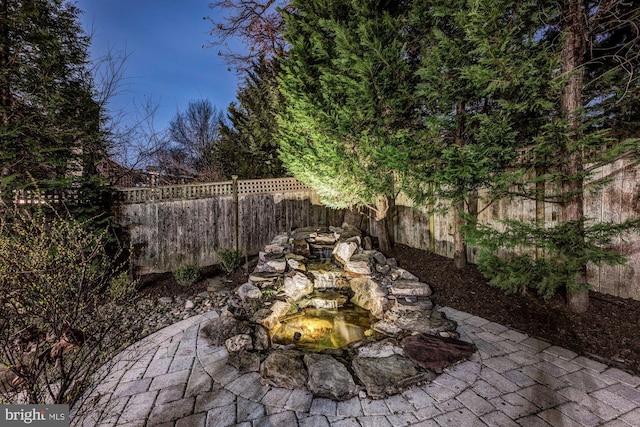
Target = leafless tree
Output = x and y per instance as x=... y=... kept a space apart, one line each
x=256 y=24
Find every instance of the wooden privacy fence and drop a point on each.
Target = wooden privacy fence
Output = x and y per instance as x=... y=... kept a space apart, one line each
x=615 y=202
x=177 y=225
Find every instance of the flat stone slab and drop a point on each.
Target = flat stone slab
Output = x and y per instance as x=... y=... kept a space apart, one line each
x=410 y=288
x=402 y=304
x=329 y=378
x=383 y=376
x=432 y=352
x=430 y=322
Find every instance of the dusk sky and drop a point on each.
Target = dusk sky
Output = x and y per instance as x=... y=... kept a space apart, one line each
x=167 y=62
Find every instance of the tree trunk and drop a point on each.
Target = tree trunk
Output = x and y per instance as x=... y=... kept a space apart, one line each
x=382 y=224
x=459 y=247
x=572 y=208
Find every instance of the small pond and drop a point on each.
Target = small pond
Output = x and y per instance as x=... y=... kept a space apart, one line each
x=316 y=329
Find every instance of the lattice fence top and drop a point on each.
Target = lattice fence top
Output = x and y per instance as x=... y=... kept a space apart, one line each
x=202 y=191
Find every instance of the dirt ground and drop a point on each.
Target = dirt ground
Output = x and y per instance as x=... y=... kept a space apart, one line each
x=608 y=331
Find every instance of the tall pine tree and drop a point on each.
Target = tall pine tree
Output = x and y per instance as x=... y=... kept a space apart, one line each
x=595 y=44
x=345 y=85
x=248 y=143
x=476 y=93
x=49 y=120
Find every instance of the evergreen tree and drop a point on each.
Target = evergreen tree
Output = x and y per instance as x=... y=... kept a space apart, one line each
x=476 y=90
x=597 y=53
x=345 y=84
x=49 y=120
x=248 y=144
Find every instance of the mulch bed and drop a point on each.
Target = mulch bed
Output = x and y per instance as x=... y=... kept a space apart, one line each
x=606 y=332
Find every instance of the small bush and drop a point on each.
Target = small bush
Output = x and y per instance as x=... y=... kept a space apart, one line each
x=187 y=275
x=230 y=260
x=61 y=308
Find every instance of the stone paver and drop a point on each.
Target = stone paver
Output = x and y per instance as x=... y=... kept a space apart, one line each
x=174 y=378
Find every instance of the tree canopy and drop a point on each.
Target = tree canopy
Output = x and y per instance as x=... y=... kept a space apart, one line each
x=49 y=119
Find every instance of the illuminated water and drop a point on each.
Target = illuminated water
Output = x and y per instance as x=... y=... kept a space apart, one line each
x=317 y=328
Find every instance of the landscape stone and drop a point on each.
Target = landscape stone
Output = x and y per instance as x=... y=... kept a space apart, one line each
x=239 y=342
x=284 y=369
x=388 y=375
x=218 y=330
x=398 y=273
x=297 y=286
x=403 y=304
x=359 y=264
x=300 y=247
x=430 y=322
x=372 y=349
x=277 y=310
x=274 y=249
x=410 y=287
x=343 y=251
x=281 y=239
x=386 y=328
x=261 y=340
x=249 y=291
x=433 y=352
x=370 y=295
x=329 y=378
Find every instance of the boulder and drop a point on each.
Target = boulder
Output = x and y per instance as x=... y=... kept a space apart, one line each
x=343 y=251
x=261 y=340
x=430 y=322
x=296 y=262
x=402 y=274
x=433 y=352
x=297 y=286
x=284 y=369
x=244 y=361
x=300 y=247
x=218 y=330
x=410 y=288
x=329 y=378
x=384 y=376
x=408 y=303
x=239 y=342
x=274 y=249
x=271 y=318
x=249 y=291
x=359 y=264
x=370 y=295
x=372 y=349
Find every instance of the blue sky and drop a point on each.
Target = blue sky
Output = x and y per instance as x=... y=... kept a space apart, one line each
x=167 y=62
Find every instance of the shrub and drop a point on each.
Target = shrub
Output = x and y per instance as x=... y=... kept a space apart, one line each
x=61 y=314
x=230 y=260
x=187 y=275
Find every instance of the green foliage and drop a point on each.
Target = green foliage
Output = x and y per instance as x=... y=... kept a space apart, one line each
x=49 y=120
x=230 y=259
x=248 y=145
x=345 y=85
x=121 y=287
x=61 y=312
x=187 y=275
x=567 y=248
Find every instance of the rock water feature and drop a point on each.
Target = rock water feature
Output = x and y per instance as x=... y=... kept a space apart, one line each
x=319 y=311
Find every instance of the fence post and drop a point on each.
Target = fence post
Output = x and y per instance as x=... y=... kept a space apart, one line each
x=236 y=213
